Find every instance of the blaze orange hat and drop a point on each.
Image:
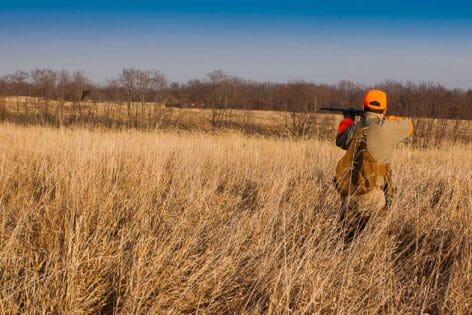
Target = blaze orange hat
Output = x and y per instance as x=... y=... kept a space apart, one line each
x=375 y=99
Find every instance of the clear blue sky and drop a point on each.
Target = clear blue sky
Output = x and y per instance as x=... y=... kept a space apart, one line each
x=325 y=41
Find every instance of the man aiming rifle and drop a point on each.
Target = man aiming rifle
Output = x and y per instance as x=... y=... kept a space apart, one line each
x=363 y=175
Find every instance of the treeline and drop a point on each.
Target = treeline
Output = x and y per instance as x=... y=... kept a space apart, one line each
x=220 y=90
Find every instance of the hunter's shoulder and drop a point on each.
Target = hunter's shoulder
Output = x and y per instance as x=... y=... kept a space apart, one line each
x=397 y=121
x=399 y=124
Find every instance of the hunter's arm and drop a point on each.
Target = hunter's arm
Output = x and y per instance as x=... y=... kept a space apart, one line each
x=345 y=133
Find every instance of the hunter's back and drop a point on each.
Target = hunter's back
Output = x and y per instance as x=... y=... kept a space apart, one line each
x=384 y=134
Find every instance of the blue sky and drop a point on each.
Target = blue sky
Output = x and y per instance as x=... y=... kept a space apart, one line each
x=363 y=41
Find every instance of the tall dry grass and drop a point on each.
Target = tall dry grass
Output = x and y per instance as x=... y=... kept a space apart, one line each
x=135 y=222
x=428 y=132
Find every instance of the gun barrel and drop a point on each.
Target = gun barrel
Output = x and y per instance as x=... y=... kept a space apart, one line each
x=332 y=109
x=352 y=111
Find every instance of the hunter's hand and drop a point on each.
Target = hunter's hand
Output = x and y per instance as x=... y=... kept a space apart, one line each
x=349 y=115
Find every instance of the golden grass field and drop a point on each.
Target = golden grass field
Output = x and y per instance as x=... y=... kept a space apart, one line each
x=122 y=222
x=428 y=132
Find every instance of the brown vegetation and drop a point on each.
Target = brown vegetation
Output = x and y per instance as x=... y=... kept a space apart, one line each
x=221 y=91
x=148 y=115
x=152 y=222
x=142 y=99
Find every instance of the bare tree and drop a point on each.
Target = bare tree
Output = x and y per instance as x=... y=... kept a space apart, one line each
x=159 y=116
x=223 y=88
x=158 y=84
x=20 y=83
x=300 y=104
x=45 y=83
x=3 y=108
x=129 y=81
x=44 y=80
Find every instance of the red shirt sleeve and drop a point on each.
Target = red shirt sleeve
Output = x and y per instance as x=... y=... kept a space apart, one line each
x=344 y=124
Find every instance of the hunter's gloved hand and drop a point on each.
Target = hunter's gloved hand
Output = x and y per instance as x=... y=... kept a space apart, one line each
x=349 y=115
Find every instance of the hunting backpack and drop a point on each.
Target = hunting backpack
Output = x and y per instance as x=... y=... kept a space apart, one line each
x=357 y=171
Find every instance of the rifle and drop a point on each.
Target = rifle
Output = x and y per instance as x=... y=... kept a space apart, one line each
x=346 y=111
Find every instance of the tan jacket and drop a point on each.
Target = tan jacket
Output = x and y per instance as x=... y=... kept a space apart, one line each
x=383 y=134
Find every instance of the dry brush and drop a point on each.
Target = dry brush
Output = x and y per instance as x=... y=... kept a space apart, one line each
x=136 y=222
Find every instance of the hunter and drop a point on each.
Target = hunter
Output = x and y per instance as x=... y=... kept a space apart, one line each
x=363 y=175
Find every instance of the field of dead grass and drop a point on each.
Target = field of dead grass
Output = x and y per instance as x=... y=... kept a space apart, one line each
x=122 y=222
x=428 y=132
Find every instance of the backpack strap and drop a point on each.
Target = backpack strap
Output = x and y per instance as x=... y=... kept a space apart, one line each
x=360 y=147
x=382 y=170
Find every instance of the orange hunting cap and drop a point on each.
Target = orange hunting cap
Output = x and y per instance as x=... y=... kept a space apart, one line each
x=375 y=99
